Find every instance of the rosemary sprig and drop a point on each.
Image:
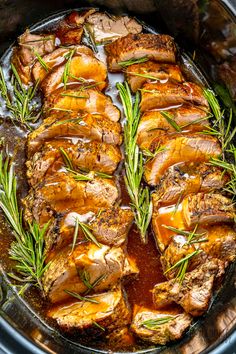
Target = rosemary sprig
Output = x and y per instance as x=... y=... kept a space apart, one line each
x=99 y=326
x=81 y=298
x=66 y=72
x=60 y=109
x=71 y=120
x=170 y=119
x=146 y=76
x=90 y=37
x=139 y=195
x=19 y=103
x=86 y=229
x=28 y=248
x=188 y=234
x=41 y=61
x=226 y=135
x=150 y=155
x=72 y=95
x=67 y=160
x=156 y=322
x=85 y=277
x=182 y=264
x=132 y=61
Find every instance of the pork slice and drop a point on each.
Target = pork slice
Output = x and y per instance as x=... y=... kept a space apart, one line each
x=91 y=156
x=109 y=226
x=188 y=148
x=81 y=66
x=151 y=71
x=61 y=192
x=25 y=54
x=183 y=179
x=82 y=99
x=156 y=47
x=153 y=124
x=87 y=267
x=70 y=29
x=195 y=209
x=171 y=325
x=207 y=208
x=105 y=27
x=57 y=57
x=93 y=127
x=110 y=312
x=194 y=293
x=216 y=241
x=159 y=95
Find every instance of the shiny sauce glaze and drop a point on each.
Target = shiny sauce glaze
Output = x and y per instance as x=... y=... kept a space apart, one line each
x=146 y=256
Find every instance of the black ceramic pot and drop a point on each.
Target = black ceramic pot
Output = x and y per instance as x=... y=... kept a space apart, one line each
x=205 y=29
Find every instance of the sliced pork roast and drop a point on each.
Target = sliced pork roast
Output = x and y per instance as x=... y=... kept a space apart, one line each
x=109 y=226
x=159 y=95
x=154 y=124
x=194 y=292
x=216 y=241
x=84 y=99
x=108 y=310
x=89 y=126
x=30 y=46
x=179 y=148
x=57 y=57
x=108 y=28
x=195 y=209
x=90 y=156
x=183 y=179
x=82 y=68
x=62 y=192
x=86 y=268
x=160 y=48
x=159 y=327
x=138 y=74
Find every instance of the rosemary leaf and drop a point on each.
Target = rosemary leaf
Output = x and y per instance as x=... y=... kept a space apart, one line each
x=81 y=298
x=66 y=72
x=41 y=61
x=67 y=160
x=156 y=322
x=171 y=120
x=99 y=326
x=146 y=76
x=90 y=37
x=132 y=61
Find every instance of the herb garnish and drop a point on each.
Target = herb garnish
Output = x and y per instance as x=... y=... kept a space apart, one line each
x=156 y=322
x=140 y=198
x=133 y=61
x=90 y=37
x=170 y=119
x=41 y=61
x=86 y=229
x=81 y=298
x=20 y=103
x=85 y=277
x=146 y=76
x=28 y=248
x=66 y=72
x=99 y=326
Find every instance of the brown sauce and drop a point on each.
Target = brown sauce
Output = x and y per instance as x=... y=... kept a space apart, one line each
x=146 y=256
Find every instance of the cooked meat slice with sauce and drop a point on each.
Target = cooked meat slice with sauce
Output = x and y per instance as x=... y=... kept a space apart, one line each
x=194 y=293
x=195 y=209
x=109 y=311
x=87 y=100
x=83 y=67
x=105 y=27
x=182 y=179
x=150 y=325
x=87 y=267
x=109 y=226
x=157 y=47
x=57 y=57
x=216 y=241
x=159 y=95
x=154 y=123
x=29 y=46
x=61 y=192
x=138 y=74
x=90 y=156
x=89 y=126
x=189 y=148
x=70 y=29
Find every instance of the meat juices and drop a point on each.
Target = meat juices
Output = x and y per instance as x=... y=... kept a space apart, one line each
x=73 y=157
